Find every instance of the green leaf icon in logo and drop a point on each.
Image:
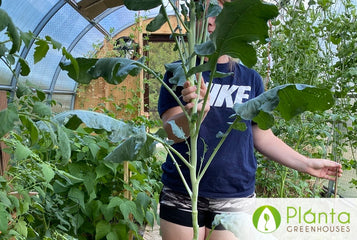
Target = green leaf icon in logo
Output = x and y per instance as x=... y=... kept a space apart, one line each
x=266 y=219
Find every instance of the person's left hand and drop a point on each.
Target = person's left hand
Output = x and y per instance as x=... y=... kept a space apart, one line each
x=324 y=168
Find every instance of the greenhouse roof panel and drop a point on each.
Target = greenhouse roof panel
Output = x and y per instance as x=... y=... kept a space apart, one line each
x=78 y=25
x=64 y=26
x=118 y=20
x=27 y=14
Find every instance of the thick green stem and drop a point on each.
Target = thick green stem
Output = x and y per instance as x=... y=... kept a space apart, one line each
x=178 y=43
x=193 y=123
x=194 y=200
x=177 y=14
x=195 y=186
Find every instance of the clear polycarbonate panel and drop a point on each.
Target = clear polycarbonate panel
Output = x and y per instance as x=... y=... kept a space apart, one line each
x=64 y=102
x=123 y=18
x=26 y=14
x=118 y=20
x=84 y=48
x=65 y=83
x=63 y=27
x=86 y=45
x=42 y=72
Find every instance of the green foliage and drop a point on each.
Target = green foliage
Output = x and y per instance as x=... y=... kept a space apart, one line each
x=113 y=70
x=290 y=100
x=141 y=4
x=158 y=21
x=80 y=191
x=77 y=171
x=11 y=31
x=65 y=171
x=239 y=24
x=313 y=45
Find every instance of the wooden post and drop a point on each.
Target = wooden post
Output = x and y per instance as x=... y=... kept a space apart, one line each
x=4 y=156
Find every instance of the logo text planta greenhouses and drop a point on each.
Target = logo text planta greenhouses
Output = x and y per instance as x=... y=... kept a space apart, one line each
x=309 y=220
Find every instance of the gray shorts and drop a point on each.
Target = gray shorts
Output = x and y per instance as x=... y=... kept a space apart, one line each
x=176 y=207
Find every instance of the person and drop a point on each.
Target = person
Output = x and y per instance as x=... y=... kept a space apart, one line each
x=231 y=175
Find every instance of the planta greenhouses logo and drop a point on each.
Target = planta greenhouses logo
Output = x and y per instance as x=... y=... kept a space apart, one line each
x=266 y=219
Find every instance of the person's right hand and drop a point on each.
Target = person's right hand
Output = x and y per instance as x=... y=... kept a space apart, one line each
x=189 y=93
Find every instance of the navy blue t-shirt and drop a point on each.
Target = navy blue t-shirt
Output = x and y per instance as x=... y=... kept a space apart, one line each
x=232 y=171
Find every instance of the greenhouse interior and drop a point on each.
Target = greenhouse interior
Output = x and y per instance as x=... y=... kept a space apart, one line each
x=82 y=142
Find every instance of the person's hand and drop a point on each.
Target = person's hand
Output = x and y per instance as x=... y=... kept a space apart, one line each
x=189 y=93
x=323 y=168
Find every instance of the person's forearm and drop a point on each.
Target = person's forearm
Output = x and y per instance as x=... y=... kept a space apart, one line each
x=283 y=154
x=275 y=149
x=180 y=120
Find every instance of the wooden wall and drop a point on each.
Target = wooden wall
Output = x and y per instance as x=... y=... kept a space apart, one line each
x=4 y=157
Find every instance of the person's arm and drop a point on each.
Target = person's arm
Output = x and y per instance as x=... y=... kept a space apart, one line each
x=275 y=149
x=176 y=114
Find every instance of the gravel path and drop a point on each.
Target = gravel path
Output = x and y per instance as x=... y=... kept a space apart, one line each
x=152 y=233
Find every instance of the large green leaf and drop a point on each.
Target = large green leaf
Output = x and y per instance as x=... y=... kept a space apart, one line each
x=25 y=69
x=141 y=4
x=77 y=196
x=240 y=23
x=179 y=77
x=78 y=68
x=119 y=129
x=295 y=99
x=289 y=99
x=115 y=70
x=129 y=150
x=158 y=21
x=27 y=37
x=64 y=148
x=127 y=207
x=47 y=172
x=11 y=30
x=42 y=109
x=142 y=200
x=31 y=128
x=132 y=140
x=107 y=212
x=8 y=117
x=177 y=130
x=115 y=202
x=240 y=224
x=4 y=218
x=21 y=227
x=21 y=152
x=102 y=229
x=41 y=50
x=4 y=199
